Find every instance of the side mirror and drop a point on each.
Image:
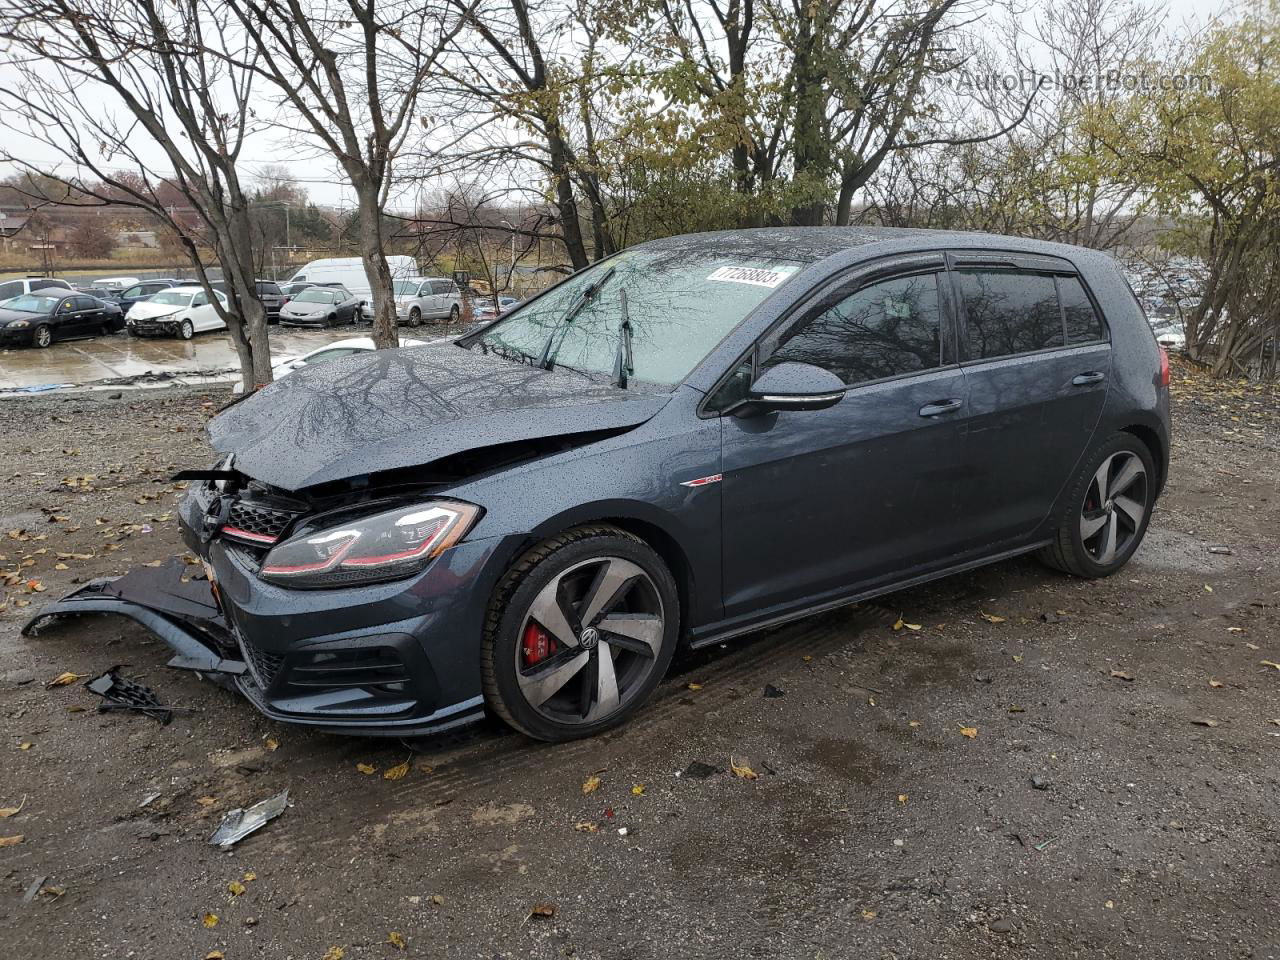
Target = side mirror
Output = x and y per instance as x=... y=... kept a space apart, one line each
x=792 y=386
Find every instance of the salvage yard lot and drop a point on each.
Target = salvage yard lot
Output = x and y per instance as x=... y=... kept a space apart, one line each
x=1028 y=765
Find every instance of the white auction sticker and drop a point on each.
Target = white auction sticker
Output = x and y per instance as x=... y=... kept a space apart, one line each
x=756 y=276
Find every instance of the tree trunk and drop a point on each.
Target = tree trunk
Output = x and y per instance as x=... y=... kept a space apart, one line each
x=570 y=228
x=376 y=269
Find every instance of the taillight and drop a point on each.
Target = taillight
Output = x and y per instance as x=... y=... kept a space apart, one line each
x=1164 y=366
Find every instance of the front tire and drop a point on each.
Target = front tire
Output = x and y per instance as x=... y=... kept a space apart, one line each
x=454 y=314
x=1109 y=508
x=42 y=336
x=186 y=330
x=579 y=632
x=415 y=317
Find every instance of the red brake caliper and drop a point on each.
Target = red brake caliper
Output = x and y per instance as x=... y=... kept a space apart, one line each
x=536 y=644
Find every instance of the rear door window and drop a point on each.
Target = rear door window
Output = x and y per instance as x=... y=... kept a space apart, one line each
x=442 y=286
x=1083 y=323
x=884 y=329
x=1008 y=313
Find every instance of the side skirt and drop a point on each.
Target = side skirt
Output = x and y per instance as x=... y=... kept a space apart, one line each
x=722 y=633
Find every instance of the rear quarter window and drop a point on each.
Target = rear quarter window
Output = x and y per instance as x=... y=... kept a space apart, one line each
x=1007 y=313
x=1082 y=320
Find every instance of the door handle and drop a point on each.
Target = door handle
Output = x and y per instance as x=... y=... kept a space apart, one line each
x=940 y=407
x=1084 y=379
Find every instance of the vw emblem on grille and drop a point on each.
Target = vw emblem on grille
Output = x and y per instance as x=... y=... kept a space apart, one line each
x=589 y=638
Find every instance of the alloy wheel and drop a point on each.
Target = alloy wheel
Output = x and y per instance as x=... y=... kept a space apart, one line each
x=1115 y=504
x=44 y=336
x=589 y=640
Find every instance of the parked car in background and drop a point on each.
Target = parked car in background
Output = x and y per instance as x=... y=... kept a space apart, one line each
x=290 y=290
x=484 y=309
x=145 y=290
x=17 y=287
x=330 y=351
x=321 y=307
x=269 y=294
x=1169 y=334
x=696 y=438
x=116 y=285
x=349 y=271
x=38 y=319
x=427 y=299
x=176 y=312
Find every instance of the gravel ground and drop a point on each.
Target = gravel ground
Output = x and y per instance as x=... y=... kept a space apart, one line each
x=1045 y=768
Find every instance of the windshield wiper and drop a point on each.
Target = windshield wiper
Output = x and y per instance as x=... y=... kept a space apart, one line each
x=622 y=363
x=587 y=295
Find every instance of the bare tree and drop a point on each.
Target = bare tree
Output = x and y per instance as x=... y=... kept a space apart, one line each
x=351 y=72
x=159 y=97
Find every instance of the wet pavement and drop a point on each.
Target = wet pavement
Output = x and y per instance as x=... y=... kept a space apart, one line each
x=208 y=357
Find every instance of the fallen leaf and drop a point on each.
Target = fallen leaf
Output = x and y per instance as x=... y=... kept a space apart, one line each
x=366 y=768
x=1270 y=663
x=913 y=723
x=12 y=811
x=902 y=798
x=210 y=920
x=250 y=877
x=26 y=746
x=437 y=900
x=693 y=686
x=991 y=617
x=591 y=784
x=585 y=826
x=10 y=841
x=215 y=955
x=61 y=566
x=744 y=772
x=1121 y=675
x=638 y=790
x=54 y=892
x=541 y=910
x=970 y=732
x=807 y=658
x=1017 y=658
x=396 y=940
x=1216 y=683
x=235 y=888
x=1110 y=904
x=1251 y=646
x=334 y=953
x=1235 y=629
x=206 y=801
x=1208 y=589
x=1204 y=722
x=272 y=744
x=398 y=772
x=63 y=679
x=900 y=623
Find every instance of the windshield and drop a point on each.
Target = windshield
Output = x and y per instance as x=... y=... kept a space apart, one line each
x=680 y=302
x=316 y=295
x=171 y=297
x=31 y=303
x=407 y=288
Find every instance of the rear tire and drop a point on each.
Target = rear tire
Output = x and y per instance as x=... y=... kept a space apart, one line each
x=1108 y=510
x=593 y=583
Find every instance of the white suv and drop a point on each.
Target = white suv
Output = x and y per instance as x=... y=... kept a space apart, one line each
x=427 y=298
x=16 y=288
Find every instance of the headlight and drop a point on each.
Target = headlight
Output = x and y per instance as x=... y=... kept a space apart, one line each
x=18 y=324
x=382 y=546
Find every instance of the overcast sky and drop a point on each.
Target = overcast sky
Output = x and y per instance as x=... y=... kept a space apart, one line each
x=325 y=186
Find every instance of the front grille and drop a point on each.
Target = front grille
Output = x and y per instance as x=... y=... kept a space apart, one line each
x=264 y=666
x=259 y=520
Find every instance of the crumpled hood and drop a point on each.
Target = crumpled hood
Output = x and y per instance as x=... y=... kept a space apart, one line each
x=145 y=310
x=401 y=408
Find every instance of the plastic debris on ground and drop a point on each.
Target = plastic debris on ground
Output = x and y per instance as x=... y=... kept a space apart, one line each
x=121 y=693
x=239 y=823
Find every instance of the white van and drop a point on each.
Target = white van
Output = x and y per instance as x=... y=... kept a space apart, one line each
x=349 y=271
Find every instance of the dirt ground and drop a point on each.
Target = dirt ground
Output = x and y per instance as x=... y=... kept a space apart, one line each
x=1045 y=768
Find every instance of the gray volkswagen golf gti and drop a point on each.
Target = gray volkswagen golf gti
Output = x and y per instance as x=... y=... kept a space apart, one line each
x=692 y=439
